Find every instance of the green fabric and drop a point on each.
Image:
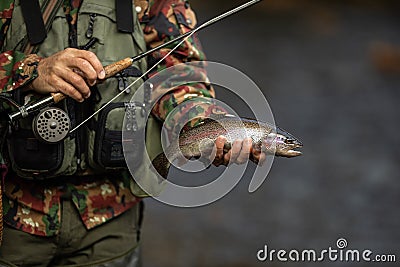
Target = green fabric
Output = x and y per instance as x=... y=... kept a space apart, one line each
x=112 y=244
x=111 y=47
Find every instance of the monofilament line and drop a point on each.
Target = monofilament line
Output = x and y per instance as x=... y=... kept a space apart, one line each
x=202 y=26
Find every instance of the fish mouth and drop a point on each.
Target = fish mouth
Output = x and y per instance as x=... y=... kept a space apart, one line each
x=284 y=145
x=290 y=153
x=291 y=148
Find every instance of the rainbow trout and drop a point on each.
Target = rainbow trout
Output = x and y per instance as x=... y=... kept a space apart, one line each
x=199 y=141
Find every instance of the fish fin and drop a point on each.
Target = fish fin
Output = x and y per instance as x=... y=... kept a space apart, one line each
x=162 y=165
x=216 y=117
x=207 y=151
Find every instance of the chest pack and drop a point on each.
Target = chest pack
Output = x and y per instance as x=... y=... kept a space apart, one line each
x=97 y=145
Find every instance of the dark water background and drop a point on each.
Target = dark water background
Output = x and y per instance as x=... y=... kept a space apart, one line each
x=324 y=69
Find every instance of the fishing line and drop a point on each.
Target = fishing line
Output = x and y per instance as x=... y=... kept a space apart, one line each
x=186 y=36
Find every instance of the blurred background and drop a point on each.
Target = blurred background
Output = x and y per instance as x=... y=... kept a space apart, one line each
x=331 y=73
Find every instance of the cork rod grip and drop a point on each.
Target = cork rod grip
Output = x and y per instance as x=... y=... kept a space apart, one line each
x=116 y=67
x=57 y=97
x=110 y=70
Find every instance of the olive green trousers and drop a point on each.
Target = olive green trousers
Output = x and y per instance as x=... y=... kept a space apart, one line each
x=113 y=244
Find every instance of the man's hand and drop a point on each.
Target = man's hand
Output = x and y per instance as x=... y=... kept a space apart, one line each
x=70 y=72
x=241 y=151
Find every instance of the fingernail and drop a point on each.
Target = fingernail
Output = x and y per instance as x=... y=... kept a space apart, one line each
x=102 y=74
x=88 y=95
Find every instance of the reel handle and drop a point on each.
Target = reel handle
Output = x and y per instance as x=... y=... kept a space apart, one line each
x=110 y=70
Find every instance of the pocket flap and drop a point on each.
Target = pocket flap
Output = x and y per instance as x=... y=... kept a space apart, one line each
x=100 y=8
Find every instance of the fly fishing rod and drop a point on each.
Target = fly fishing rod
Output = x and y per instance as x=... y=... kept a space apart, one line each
x=49 y=119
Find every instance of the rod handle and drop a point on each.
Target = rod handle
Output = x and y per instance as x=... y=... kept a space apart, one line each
x=118 y=66
x=110 y=70
x=57 y=97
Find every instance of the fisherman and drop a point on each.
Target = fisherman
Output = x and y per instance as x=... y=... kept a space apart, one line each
x=73 y=202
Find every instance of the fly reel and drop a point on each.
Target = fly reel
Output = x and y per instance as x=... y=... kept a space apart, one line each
x=51 y=125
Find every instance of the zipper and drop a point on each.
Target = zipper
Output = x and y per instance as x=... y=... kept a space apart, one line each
x=122 y=78
x=82 y=109
x=79 y=135
x=89 y=31
x=101 y=128
x=78 y=110
x=130 y=125
x=121 y=82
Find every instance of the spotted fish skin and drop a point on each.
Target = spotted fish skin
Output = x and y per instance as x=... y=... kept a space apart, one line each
x=200 y=139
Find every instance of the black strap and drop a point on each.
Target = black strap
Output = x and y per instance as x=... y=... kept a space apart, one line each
x=124 y=15
x=34 y=21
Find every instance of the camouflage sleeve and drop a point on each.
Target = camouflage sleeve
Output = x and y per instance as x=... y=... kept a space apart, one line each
x=16 y=68
x=165 y=20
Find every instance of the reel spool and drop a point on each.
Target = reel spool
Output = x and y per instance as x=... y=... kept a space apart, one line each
x=51 y=125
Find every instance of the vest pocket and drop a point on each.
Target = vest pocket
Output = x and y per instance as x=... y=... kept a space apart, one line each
x=111 y=153
x=28 y=154
x=98 y=20
x=108 y=150
x=31 y=158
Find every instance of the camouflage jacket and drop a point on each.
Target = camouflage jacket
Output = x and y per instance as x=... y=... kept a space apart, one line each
x=35 y=207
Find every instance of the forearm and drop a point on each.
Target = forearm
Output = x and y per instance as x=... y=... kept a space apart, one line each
x=185 y=107
x=17 y=69
x=188 y=88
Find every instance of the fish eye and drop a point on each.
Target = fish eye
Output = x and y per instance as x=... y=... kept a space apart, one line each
x=290 y=141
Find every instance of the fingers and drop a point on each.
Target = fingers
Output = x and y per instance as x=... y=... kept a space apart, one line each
x=71 y=72
x=81 y=88
x=234 y=152
x=219 y=150
x=219 y=143
x=68 y=83
x=52 y=83
x=94 y=63
x=85 y=70
x=257 y=156
x=245 y=151
x=241 y=150
x=262 y=158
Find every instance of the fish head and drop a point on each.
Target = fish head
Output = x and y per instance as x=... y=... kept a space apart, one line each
x=286 y=147
x=282 y=144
